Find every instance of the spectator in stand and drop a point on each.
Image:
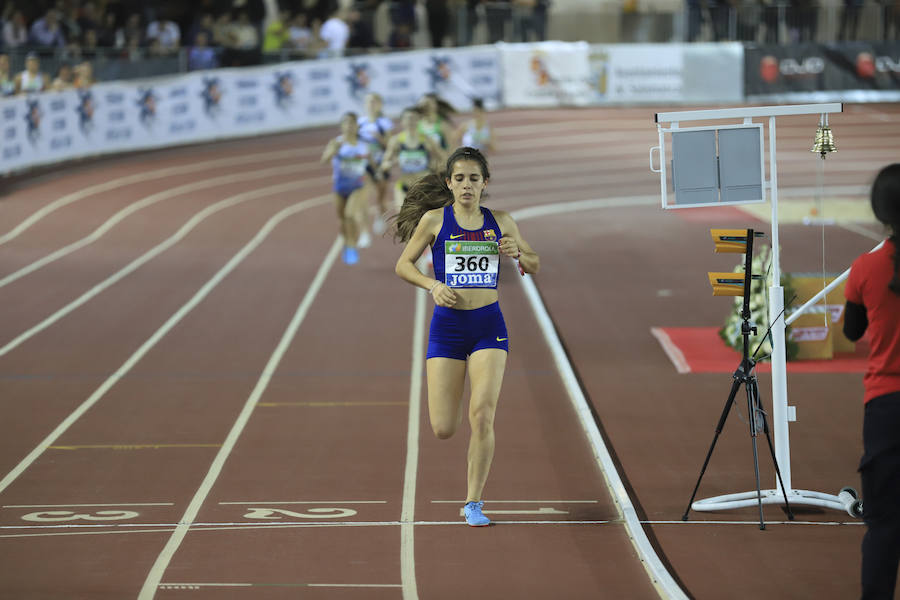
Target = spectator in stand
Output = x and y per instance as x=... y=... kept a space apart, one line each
x=46 y=31
x=497 y=13
x=403 y=23
x=361 y=36
x=7 y=84
x=277 y=36
x=300 y=35
x=131 y=35
x=31 y=79
x=68 y=22
x=89 y=43
x=400 y=37
x=15 y=31
x=850 y=20
x=334 y=33
x=805 y=20
x=541 y=8
x=246 y=34
x=106 y=32
x=222 y=30
x=438 y=18
x=167 y=33
x=201 y=56
x=84 y=75
x=205 y=24
x=88 y=19
x=64 y=78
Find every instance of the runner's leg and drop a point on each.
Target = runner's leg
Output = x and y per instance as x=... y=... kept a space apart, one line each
x=486 y=369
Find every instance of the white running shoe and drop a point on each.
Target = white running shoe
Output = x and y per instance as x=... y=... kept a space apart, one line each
x=378 y=225
x=364 y=241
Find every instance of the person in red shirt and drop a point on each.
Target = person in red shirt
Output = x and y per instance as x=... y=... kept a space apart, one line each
x=873 y=307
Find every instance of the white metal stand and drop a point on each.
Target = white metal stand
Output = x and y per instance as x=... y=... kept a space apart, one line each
x=782 y=414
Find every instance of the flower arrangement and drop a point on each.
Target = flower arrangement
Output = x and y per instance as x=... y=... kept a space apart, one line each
x=759 y=311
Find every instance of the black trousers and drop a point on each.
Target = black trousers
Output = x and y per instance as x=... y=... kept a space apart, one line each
x=880 y=474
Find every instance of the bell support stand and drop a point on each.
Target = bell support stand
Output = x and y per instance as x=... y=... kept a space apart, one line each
x=782 y=414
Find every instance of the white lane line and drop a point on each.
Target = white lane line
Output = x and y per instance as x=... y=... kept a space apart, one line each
x=191 y=586
x=267 y=503
x=672 y=351
x=162 y=561
x=202 y=527
x=84 y=505
x=198 y=297
x=521 y=501
x=663 y=582
x=407 y=512
x=141 y=177
x=153 y=253
x=141 y=204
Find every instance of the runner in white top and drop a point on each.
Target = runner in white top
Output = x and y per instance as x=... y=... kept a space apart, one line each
x=375 y=129
x=477 y=133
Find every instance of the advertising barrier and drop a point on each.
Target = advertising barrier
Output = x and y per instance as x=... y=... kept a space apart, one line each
x=850 y=71
x=114 y=117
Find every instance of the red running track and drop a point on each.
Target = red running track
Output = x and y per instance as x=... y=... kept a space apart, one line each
x=202 y=403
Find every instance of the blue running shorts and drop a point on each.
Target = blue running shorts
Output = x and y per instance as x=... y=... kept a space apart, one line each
x=458 y=333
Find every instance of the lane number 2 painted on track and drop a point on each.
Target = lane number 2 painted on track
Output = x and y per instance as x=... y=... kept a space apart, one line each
x=312 y=513
x=68 y=515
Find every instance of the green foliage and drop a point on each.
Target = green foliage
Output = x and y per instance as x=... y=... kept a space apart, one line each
x=759 y=291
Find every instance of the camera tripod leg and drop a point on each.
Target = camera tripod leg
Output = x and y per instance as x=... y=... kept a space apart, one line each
x=725 y=410
x=752 y=412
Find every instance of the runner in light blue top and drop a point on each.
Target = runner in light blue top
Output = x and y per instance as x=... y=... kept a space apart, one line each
x=351 y=162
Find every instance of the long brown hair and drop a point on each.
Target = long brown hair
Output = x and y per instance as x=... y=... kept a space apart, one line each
x=885 y=200
x=431 y=192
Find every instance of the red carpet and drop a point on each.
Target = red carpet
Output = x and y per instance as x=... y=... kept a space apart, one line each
x=701 y=350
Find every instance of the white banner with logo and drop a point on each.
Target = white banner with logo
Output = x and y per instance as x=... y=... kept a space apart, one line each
x=576 y=74
x=546 y=74
x=224 y=103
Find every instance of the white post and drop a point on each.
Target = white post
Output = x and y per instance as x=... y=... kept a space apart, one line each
x=776 y=317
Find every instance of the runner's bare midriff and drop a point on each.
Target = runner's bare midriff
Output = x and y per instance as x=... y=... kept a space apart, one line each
x=470 y=299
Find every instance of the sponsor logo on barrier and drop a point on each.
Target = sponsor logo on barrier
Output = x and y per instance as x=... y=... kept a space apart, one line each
x=808 y=334
x=85 y=111
x=33 y=116
x=283 y=88
x=440 y=71
x=539 y=70
x=865 y=65
x=358 y=79
x=146 y=104
x=887 y=64
x=770 y=67
x=211 y=95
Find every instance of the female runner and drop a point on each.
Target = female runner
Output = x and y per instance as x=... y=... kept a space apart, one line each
x=413 y=152
x=351 y=160
x=873 y=305
x=467 y=329
x=436 y=118
x=375 y=129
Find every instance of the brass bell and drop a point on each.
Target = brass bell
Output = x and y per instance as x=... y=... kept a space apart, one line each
x=824 y=143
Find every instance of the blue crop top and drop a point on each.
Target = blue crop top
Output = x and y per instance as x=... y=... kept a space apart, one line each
x=474 y=260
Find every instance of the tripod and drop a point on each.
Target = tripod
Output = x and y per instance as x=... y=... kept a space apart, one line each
x=745 y=376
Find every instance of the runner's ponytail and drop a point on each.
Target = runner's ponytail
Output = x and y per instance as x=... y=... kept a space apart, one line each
x=426 y=194
x=886 y=206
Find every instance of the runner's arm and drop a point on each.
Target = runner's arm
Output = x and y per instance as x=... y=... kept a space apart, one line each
x=406 y=268
x=512 y=244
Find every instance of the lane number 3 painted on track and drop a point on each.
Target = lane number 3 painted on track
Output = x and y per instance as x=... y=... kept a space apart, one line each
x=68 y=515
